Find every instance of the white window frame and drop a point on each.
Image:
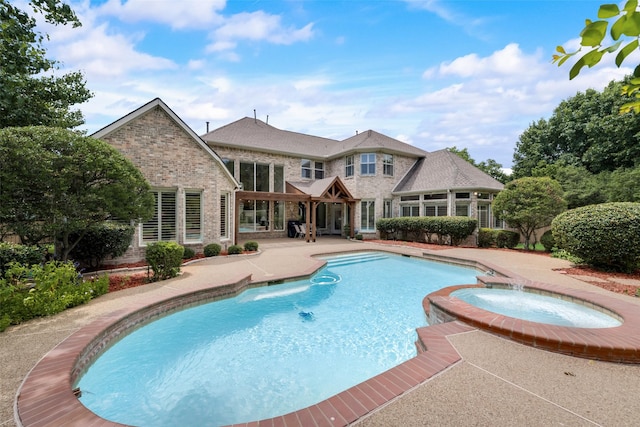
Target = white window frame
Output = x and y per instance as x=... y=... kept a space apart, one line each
x=387 y=164
x=189 y=216
x=367 y=224
x=368 y=164
x=224 y=216
x=306 y=167
x=349 y=166
x=159 y=217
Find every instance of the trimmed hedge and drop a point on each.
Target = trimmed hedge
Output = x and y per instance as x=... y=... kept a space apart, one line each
x=234 y=250
x=212 y=249
x=251 y=246
x=165 y=259
x=101 y=241
x=489 y=237
x=604 y=236
x=446 y=228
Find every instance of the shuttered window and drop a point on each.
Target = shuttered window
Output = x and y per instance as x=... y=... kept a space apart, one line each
x=224 y=215
x=162 y=226
x=193 y=215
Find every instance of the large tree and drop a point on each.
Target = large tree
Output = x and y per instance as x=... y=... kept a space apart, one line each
x=55 y=183
x=30 y=92
x=585 y=130
x=489 y=166
x=528 y=204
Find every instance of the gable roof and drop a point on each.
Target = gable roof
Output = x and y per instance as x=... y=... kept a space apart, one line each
x=444 y=170
x=254 y=134
x=326 y=188
x=158 y=103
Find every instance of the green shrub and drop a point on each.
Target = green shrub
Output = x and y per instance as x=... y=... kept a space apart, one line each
x=562 y=254
x=188 y=253
x=109 y=239
x=507 y=238
x=165 y=259
x=359 y=236
x=42 y=290
x=547 y=241
x=212 y=249
x=234 y=250
x=486 y=238
x=251 y=246
x=23 y=254
x=605 y=236
x=454 y=228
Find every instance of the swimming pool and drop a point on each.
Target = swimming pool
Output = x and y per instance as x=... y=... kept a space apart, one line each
x=269 y=350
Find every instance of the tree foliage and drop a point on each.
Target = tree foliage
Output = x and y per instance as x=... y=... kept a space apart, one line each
x=55 y=183
x=527 y=204
x=586 y=131
x=489 y=166
x=30 y=93
x=623 y=26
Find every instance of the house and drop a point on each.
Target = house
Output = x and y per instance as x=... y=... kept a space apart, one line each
x=249 y=180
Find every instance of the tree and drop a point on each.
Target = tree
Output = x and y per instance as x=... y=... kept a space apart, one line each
x=55 y=183
x=30 y=94
x=585 y=130
x=580 y=186
x=490 y=166
x=625 y=33
x=528 y=204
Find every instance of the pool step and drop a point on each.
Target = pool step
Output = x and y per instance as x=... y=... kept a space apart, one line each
x=355 y=259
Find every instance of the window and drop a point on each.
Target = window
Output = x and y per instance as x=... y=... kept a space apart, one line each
x=409 y=198
x=387 y=211
x=254 y=215
x=306 y=168
x=463 y=196
x=483 y=216
x=162 y=226
x=435 y=210
x=436 y=196
x=349 y=166
x=224 y=215
x=387 y=165
x=193 y=216
x=231 y=165
x=367 y=215
x=368 y=164
x=254 y=176
x=278 y=215
x=411 y=210
x=278 y=179
x=462 y=209
x=319 y=170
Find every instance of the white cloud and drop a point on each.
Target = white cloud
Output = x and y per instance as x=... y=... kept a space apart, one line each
x=178 y=14
x=257 y=26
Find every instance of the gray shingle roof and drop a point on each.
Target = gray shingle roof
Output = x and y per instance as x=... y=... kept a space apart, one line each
x=444 y=170
x=255 y=134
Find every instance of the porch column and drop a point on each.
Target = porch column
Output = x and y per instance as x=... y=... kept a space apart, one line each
x=352 y=219
x=307 y=206
x=314 y=207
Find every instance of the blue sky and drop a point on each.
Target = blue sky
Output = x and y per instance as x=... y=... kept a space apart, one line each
x=469 y=73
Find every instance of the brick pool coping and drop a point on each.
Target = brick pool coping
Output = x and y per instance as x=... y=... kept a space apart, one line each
x=46 y=398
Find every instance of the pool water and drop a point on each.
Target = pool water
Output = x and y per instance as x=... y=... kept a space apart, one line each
x=535 y=307
x=270 y=350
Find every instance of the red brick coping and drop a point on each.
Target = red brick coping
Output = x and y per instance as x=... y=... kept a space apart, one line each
x=617 y=344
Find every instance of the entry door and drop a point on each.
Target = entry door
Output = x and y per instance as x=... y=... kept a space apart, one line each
x=336 y=218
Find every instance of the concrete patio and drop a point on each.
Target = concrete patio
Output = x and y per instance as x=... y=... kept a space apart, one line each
x=497 y=382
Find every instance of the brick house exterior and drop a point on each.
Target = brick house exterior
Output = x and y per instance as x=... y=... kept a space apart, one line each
x=250 y=180
x=189 y=180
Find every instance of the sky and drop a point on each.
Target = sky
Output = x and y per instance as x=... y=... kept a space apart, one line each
x=472 y=74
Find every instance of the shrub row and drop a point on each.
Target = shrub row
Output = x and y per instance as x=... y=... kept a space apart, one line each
x=453 y=229
x=44 y=289
x=489 y=237
x=604 y=236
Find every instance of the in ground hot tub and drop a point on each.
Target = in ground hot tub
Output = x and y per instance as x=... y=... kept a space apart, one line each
x=518 y=303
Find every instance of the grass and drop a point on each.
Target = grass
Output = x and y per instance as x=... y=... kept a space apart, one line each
x=538 y=247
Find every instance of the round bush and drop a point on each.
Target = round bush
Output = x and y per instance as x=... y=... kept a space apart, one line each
x=251 y=246
x=188 y=253
x=604 y=236
x=547 y=240
x=234 y=250
x=212 y=249
x=165 y=259
x=507 y=239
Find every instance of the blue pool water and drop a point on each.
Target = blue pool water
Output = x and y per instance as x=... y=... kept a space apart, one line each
x=535 y=307
x=270 y=350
